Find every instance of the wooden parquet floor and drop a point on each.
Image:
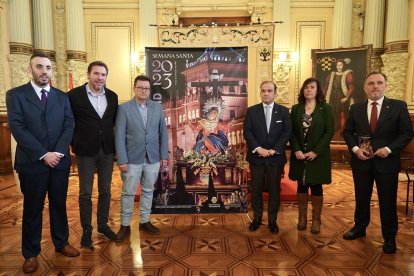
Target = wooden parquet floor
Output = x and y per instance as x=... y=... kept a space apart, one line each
x=217 y=244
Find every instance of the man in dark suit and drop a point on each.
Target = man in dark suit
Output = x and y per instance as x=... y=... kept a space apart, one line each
x=267 y=129
x=387 y=123
x=41 y=121
x=94 y=108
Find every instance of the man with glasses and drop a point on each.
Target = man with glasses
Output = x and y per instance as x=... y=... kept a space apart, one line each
x=94 y=109
x=141 y=141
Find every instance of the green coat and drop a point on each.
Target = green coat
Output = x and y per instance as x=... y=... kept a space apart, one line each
x=320 y=135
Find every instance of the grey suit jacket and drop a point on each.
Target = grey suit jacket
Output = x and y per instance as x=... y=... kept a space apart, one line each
x=133 y=141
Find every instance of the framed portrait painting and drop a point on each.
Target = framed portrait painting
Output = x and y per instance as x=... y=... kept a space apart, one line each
x=342 y=73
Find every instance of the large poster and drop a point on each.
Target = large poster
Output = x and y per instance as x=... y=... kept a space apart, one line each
x=204 y=95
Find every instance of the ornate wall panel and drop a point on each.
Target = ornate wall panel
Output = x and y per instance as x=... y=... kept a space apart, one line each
x=113 y=43
x=309 y=35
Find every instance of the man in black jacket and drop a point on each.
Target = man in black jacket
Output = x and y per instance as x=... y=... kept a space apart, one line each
x=94 y=109
x=267 y=129
x=385 y=123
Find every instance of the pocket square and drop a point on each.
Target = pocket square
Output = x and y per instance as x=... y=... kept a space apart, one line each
x=278 y=121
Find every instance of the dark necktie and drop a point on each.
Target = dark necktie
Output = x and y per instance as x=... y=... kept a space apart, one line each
x=43 y=98
x=374 y=117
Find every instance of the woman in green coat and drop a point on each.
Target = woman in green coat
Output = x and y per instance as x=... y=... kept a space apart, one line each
x=310 y=158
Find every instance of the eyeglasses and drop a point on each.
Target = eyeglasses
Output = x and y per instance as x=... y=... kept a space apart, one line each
x=143 y=89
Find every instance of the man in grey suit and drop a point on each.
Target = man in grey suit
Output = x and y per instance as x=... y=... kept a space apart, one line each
x=141 y=142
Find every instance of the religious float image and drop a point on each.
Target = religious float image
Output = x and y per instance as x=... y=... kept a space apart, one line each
x=204 y=95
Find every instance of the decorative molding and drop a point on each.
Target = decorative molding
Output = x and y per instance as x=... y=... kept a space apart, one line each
x=395 y=68
x=376 y=62
x=299 y=26
x=111 y=5
x=18 y=65
x=49 y=53
x=396 y=47
x=97 y=25
x=200 y=7
x=281 y=72
x=259 y=35
x=312 y=4
x=76 y=55
x=129 y=25
x=358 y=15
x=20 y=48
x=60 y=42
x=78 y=70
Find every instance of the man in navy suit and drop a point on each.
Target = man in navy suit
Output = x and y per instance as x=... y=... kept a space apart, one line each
x=41 y=121
x=141 y=141
x=94 y=109
x=387 y=123
x=267 y=129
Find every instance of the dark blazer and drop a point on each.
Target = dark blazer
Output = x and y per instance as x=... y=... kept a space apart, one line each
x=320 y=135
x=394 y=130
x=92 y=132
x=39 y=131
x=255 y=134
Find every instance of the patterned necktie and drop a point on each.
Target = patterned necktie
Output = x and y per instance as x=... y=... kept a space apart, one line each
x=268 y=114
x=43 y=98
x=374 y=117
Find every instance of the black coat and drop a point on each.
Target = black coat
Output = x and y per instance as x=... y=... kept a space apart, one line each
x=255 y=134
x=394 y=130
x=92 y=132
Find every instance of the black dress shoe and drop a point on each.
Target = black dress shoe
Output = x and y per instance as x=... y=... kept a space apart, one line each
x=389 y=246
x=354 y=234
x=273 y=227
x=86 y=240
x=123 y=232
x=149 y=228
x=254 y=225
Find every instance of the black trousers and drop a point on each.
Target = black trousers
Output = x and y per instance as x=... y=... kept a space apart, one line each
x=34 y=187
x=103 y=163
x=261 y=175
x=387 y=185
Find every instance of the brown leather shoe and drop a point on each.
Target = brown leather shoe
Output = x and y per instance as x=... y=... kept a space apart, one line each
x=149 y=228
x=68 y=251
x=30 y=265
x=123 y=232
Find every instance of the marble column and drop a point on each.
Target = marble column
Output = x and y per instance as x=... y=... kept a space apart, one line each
x=21 y=46
x=374 y=31
x=342 y=24
x=148 y=35
x=282 y=57
x=395 y=57
x=76 y=54
x=43 y=27
x=5 y=149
